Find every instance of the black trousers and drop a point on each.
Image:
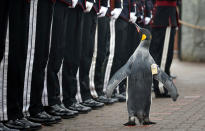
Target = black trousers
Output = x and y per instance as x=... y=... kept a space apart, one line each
x=43 y=26
x=60 y=21
x=72 y=55
x=4 y=8
x=18 y=42
x=156 y=50
x=88 y=43
x=121 y=49
x=66 y=47
x=102 y=53
x=133 y=39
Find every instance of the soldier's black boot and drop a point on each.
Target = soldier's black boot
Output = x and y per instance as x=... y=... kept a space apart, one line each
x=4 y=128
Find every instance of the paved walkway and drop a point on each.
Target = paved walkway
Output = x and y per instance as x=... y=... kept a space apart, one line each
x=187 y=114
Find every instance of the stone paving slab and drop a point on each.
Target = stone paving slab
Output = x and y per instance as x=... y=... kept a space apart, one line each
x=187 y=114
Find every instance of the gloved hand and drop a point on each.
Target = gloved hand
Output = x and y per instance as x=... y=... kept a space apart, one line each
x=142 y=17
x=102 y=12
x=116 y=13
x=89 y=6
x=74 y=3
x=133 y=18
x=147 y=20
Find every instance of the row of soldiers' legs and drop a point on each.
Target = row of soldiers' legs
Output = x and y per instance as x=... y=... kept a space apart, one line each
x=102 y=53
x=18 y=39
x=42 y=41
x=64 y=38
x=3 y=25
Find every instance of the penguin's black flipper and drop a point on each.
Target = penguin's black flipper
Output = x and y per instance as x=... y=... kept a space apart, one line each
x=149 y=123
x=120 y=75
x=168 y=83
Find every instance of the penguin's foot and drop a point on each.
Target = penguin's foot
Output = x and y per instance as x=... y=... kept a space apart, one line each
x=130 y=123
x=148 y=123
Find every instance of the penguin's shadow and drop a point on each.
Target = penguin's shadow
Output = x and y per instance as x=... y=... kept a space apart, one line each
x=138 y=126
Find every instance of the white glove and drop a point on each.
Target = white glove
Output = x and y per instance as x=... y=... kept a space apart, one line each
x=147 y=20
x=74 y=3
x=89 y=6
x=133 y=18
x=142 y=17
x=102 y=12
x=116 y=13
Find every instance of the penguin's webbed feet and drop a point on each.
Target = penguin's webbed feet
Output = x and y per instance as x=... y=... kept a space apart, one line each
x=148 y=123
x=130 y=123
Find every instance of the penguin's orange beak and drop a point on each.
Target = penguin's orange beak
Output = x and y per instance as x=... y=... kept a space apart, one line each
x=138 y=30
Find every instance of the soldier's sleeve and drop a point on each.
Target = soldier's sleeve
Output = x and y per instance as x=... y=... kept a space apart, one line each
x=179 y=2
x=153 y=1
x=104 y=3
x=132 y=6
x=137 y=8
x=148 y=7
x=119 y=4
x=138 y=11
x=67 y=2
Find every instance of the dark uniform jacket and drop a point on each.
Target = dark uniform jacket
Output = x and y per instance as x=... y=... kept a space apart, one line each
x=80 y=3
x=143 y=8
x=112 y=4
x=128 y=6
x=98 y=4
x=165 y=14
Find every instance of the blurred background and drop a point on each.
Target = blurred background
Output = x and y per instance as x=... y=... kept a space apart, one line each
x=190 y=37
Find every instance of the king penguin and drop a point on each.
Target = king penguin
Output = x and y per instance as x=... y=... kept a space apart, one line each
x=140 y=70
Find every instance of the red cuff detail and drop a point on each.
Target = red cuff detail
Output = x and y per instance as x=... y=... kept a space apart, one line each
x=166 y=3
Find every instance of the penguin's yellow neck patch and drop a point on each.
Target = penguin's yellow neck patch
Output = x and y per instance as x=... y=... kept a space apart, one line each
x=144 y=36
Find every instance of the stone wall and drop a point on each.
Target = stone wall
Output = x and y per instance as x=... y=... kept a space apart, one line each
x=193 y=40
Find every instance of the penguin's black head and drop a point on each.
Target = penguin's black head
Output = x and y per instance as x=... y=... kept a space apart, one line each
x=145 y=34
